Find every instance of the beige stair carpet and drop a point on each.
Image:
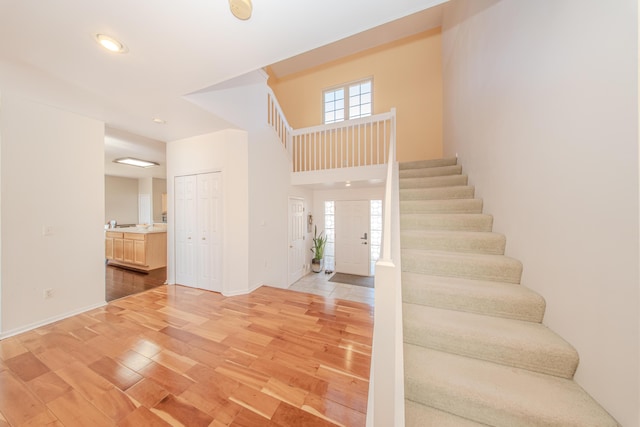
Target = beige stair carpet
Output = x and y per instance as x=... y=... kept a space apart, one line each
x=476 y=351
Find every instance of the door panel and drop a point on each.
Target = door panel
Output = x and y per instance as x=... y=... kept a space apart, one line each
x=209 y=196
x=185 y=220
x=296 y=239
x=352 y=237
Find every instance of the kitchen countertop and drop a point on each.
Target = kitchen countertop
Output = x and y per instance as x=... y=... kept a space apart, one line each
x=139 y=230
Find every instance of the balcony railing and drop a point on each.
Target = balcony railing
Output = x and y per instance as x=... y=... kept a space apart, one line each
x=351 y=143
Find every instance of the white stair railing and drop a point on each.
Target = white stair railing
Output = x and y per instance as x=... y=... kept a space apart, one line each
x=386 y=384
x=351 y=143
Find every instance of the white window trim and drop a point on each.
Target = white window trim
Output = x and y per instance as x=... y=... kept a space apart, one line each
x=345 y=87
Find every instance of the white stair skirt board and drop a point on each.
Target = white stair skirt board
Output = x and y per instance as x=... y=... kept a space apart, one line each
x=476 y=352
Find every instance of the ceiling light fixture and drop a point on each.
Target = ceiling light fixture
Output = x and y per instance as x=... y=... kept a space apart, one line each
x=136 y=162
x=347 y=184
x=241 y=9
x=159 y=121
x=111 y=44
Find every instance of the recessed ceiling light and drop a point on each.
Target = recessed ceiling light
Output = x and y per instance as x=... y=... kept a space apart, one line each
x=241 y=9
x=136 y=162
x=111 y=44
x=347 y=184
x=159 y=121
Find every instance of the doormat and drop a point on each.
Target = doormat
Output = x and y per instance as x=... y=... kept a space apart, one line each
x=352 y=279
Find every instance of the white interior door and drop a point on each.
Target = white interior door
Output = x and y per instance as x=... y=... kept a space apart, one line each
x=185 y=226
x=296 y=238
x=352 y=237
x=209 y=232
x=198 y=226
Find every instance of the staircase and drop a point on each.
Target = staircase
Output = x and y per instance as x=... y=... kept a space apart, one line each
x=475 y=350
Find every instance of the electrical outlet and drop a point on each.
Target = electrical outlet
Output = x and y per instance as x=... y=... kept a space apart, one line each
x=47 y=293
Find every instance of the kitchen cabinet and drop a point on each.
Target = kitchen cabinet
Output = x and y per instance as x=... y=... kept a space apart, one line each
x=139 y=249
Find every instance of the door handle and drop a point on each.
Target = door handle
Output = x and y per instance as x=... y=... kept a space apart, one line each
x=364 y=243
x=365 y=237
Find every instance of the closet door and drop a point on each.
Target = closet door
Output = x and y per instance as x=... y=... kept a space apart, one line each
x=185 y=225
x=209 y=255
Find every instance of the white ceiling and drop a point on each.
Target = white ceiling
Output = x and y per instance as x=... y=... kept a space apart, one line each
x=48 y=52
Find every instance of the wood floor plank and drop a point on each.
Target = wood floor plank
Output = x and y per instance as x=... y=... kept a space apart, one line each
x=174 y=355
x=17 y=403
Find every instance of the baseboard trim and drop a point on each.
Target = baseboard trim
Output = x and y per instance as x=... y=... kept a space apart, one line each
x=238 y=293
x=31 y=326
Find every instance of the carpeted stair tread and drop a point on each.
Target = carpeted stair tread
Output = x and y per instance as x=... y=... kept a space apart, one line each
x=434 y=181
x=438 y=193
x=452 y=222
x=497 y=395
x=457 y=241
x=418 y=415
x=434 y=171
x=495 y=268
x=509 y=342
x=474 y=296
x=441 y=206
x=418 y=164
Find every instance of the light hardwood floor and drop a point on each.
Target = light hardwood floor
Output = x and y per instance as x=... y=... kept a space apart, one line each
x=180 y=356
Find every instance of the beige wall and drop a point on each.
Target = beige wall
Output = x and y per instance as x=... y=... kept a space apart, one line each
x=406 y=75
x=545 y=122
x=121 y=199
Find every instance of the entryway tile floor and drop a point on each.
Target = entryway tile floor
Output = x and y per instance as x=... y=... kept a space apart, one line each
x=319 y=284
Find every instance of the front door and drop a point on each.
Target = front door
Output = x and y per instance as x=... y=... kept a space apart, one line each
x=352 y=237
x=296 y=239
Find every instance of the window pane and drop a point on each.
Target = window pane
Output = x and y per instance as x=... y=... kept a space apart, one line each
x=339 y=104
x=339 y=94
x=354 y=90
x=329 y=96
x=354 y=100
x=339 y=115
x=354 y=112
x=328 y=207
x=365 y=87
x=366 y=110
x=329 y=117
x=329 y=221
x=365 y=98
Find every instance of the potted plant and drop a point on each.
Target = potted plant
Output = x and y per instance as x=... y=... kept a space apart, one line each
x=318 y=250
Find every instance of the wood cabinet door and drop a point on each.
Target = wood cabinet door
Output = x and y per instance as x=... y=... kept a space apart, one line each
x=139 y=252
x=128 y=250
x=108 y=248
x=118 y=249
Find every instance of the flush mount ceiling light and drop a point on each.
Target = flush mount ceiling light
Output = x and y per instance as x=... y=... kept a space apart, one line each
x=111 y=44
x=241 y=9
x=136 y=162
x=159 y=121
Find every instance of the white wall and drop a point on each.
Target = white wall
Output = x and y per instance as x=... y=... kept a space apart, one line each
x=52 y=175
x=541 y=105
x=269 y=189
x=121 y=199
x=224 y=151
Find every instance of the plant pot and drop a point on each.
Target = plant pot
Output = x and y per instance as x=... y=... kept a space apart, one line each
x=316 y=265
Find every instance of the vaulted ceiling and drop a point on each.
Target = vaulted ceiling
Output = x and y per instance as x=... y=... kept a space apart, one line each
x=48 y=51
